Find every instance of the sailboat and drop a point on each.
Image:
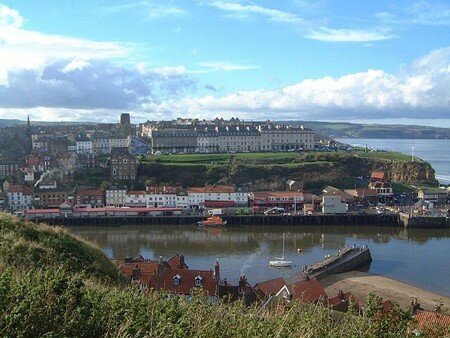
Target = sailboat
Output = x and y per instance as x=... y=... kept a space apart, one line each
x=280 y=262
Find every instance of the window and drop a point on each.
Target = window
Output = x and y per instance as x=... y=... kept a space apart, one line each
x=176 y=279
x=198 y=281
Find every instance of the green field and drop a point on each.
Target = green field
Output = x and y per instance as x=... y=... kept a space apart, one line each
x=270 y=171
x=274 y=157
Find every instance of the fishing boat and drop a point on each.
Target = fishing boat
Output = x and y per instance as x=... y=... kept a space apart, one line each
x=280 y=262
x=212 y=221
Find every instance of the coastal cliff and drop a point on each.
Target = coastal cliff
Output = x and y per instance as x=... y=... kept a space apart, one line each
x=271 y=171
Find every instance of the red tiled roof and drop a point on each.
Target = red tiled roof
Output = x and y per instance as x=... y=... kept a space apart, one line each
x=213 y=204
x=89 y=192
x=378 y=175
x=362 y=192
x=270 y=287
x=148 y=268
x=177 y=262
x=187 y=281
x=21 y=188
x=111 y=209
x=219 y=189
x=196 y=190
x=425 y=318
x=307 y=291
x=42 y=211
x=136 y=192
x=342 y=301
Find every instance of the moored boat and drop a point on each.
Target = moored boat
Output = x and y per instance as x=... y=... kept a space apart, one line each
x=212 y=221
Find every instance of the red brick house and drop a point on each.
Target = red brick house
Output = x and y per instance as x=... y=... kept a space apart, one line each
x=173 y=276
x=94 y=198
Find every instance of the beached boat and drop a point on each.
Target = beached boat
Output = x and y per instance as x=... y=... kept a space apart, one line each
x=212 y=221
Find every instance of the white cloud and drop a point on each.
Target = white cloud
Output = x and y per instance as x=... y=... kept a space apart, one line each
x=222 y=66
x=56 y=72
x=421 y=90
x=9 y=17
x=272 y=14
x=149 y=9
x=348 y=35
x=310 y=29
x=24 y=49
x=424 y=13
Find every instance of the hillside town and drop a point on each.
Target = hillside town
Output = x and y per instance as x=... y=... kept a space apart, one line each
x=84 y=170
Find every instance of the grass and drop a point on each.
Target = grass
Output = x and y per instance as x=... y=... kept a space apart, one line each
x=54 y=284
x=386 y=156
x=272 y=157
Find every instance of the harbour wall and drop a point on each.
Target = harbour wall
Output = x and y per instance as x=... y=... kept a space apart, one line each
x=233 y=220
x=346 y=259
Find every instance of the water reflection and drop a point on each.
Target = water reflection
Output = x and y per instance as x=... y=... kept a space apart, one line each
x=415 y=256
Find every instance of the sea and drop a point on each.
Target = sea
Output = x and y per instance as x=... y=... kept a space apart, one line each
x=435 y=152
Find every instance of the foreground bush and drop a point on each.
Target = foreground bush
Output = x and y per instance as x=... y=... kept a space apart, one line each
x=53 y=284
x=57 y=304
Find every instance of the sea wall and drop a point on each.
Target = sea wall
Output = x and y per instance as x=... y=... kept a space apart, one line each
x=424 y=222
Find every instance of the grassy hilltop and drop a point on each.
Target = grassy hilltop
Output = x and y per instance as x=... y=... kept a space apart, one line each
x=53 y=284
x=271 y=170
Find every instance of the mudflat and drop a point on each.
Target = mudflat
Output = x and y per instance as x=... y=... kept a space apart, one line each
x=361 y=284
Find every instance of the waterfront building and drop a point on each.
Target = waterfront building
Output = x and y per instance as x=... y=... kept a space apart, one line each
x=115 y=197
x=288 y=200
x=384 y=190
x=51 y=198
x=136 y=199
x=364 y=196
x=19 y=198
x=92 y=198
x=435 y=195
x=333 y=205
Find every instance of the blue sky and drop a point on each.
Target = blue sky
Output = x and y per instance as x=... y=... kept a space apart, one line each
x=376 y=61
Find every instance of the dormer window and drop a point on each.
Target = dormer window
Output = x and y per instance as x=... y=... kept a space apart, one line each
x=176 y=279
x=198 y=281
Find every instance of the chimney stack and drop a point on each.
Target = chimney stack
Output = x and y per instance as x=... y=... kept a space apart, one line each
x=136 y=275
x=217 y=272
x=242 y=284
x=181 y=262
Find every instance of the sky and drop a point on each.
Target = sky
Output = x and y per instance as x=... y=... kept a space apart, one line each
x=357 y=61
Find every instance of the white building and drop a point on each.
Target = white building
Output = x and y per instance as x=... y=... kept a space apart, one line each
x=215 y=196
x=100 y=146
x=115 y=197
x=279 y=138
x=19 y=198
x=333 y=205
x=136 y=198
x=167 y=201
x=84 y=146
x=118 y=143
x=196 y=197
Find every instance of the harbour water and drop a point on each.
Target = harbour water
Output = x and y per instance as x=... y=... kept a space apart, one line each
x=436 y=152
x=416 y=256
